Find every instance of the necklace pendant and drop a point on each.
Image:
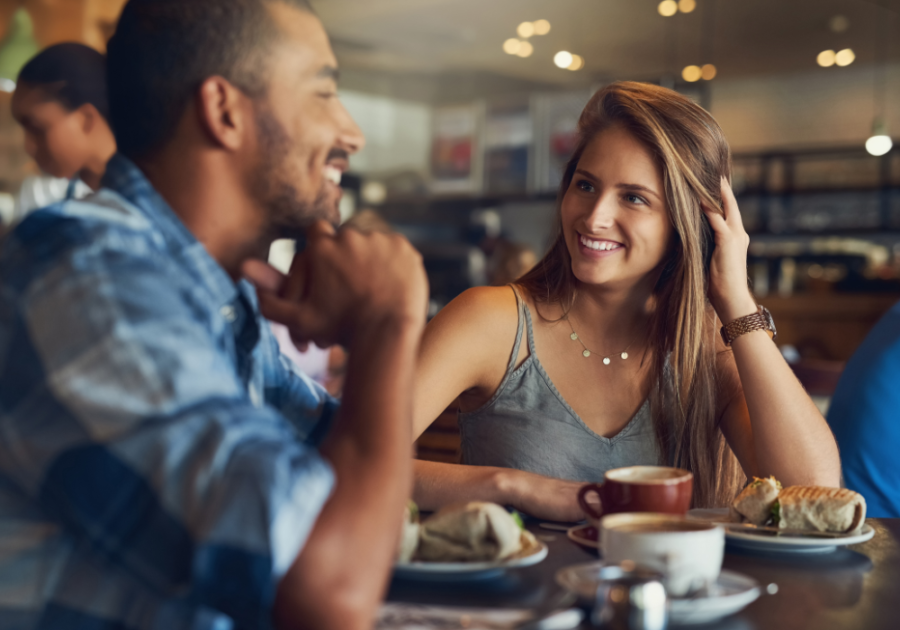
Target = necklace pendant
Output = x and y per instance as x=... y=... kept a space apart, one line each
x=606 y=361
x=586 y=353
x=624 y=355
x=573 y=337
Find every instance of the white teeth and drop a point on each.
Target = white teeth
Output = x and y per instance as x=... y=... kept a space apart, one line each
x=601 y=246
x=333 y=175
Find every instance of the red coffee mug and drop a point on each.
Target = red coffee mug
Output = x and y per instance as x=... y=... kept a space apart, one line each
x=639 y=489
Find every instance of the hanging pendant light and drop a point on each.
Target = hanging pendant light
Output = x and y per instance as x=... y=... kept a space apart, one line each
x=879 y=142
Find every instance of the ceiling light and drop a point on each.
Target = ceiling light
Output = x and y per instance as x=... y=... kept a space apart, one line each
x=686 y=6
x=577 y=63
x=825 y=58
x=511 y=46
x=525 y=30
x=563 y=59
x=708 y=72
x=541 y=27
x=880 y=142
x=667 y=8
x=844 y=57
x=525 y=49
x=691 y=74
x=839 y=24
x=879 y=145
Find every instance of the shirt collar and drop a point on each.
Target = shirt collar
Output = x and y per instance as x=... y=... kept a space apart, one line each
x=125 y=178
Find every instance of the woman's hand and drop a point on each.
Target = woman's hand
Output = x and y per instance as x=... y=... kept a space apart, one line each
x=544 y=497
x=728 y=289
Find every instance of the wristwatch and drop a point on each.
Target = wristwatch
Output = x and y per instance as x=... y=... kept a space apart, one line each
x=760 y=320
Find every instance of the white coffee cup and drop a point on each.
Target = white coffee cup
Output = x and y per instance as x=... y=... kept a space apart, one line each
x=688 y=553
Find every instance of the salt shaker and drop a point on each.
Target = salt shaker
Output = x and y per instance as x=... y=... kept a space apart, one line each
x=629 y=598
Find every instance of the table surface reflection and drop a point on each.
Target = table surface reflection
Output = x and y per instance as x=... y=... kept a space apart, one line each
x=853 y=588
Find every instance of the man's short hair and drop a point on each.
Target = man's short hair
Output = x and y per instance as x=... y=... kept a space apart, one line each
x=163 y=50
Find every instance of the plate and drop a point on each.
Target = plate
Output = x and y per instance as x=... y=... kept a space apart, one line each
x=584 y=535
x=731 y=593
x=465 y=571
x=768 y=542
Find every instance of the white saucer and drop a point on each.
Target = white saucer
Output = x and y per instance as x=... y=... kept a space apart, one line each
x=464 y=571
x=767 y=542
x=731 y=593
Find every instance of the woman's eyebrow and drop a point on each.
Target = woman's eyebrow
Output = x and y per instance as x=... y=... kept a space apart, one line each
x=639 y=188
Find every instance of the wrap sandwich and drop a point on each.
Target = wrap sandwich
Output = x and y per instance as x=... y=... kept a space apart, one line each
x=754 y=503
x=820 y=509
x=471 y=532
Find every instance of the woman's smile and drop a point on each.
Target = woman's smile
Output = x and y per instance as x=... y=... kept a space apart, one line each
x=598 y=247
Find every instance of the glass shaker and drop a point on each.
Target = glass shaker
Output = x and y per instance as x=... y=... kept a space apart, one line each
x=630 y=598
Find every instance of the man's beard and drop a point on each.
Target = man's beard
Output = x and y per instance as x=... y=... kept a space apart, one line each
x=272 y=185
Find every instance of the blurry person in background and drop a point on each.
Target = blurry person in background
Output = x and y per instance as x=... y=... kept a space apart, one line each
x=865 y=417
x=61 y=103
x=510 y=261
x=161 y=465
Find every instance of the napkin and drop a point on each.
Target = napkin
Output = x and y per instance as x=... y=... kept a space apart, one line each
x=397 y=616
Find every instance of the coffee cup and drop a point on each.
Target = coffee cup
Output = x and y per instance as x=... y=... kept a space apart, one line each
x=658 y=489
x=687 y=553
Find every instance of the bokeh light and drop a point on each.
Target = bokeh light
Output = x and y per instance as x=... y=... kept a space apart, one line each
x=525 y=30
x=563 y=59
x=844 y=57
x=691 y=74
x=511 y=46
x=667 y=8
x=825 y=58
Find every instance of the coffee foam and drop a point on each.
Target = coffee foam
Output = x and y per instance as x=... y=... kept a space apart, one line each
x=648 y=474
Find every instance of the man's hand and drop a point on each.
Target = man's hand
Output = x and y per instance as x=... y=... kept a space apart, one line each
x=343 y=283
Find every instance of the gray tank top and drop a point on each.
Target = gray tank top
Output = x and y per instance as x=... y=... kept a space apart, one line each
x=528 y=425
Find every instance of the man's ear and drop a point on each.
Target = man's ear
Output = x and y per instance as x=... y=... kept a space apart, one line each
x=90 y=117
x=221 y=113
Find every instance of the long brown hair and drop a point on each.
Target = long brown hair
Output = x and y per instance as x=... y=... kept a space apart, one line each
x=692 y=153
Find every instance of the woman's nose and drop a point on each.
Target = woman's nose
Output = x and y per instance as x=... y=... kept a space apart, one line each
x=603 y=214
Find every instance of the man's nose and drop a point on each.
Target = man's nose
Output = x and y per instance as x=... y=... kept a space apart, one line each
x=351 y=136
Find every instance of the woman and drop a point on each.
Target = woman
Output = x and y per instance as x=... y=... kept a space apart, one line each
x=609 y=352
x=61 y=103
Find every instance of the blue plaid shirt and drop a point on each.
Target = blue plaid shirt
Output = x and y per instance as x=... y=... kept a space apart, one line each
x=158 y=466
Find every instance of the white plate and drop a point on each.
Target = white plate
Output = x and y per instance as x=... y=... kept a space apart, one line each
x=731 y=592
x=768 y=543
x=462 y=571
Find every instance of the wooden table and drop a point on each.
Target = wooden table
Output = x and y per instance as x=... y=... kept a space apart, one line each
x=855 y=588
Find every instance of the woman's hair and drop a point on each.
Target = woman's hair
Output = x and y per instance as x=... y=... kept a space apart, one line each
x=693 y=156
x=72 y=74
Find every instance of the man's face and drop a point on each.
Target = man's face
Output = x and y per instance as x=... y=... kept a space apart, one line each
x=304 y=135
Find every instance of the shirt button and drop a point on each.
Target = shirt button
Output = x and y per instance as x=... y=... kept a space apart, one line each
x=228 y=313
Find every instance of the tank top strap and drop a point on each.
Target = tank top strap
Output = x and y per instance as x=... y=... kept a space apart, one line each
x=523 y=310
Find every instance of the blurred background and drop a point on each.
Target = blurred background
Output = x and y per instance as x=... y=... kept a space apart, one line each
x=470 y=108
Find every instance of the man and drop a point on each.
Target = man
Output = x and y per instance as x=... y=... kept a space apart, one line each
x=865 y=417
x=160 y=466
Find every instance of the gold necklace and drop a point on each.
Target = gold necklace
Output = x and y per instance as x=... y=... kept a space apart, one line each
x=586 y=352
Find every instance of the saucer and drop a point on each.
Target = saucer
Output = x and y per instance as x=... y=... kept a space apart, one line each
x=585 y=535
x=730 y=593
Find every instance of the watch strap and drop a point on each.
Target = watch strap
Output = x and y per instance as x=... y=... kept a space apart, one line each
x=746 y=324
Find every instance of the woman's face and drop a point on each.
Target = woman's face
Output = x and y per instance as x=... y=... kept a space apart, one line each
x=614 y=215
x=54 y=136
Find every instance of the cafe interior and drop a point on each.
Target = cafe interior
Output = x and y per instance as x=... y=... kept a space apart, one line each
x=470 y=112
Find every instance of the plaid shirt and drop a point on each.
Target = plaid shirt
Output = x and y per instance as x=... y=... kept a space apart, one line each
x=158 y=466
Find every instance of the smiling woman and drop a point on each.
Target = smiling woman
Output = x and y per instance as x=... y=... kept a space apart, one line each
x=624 y=363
